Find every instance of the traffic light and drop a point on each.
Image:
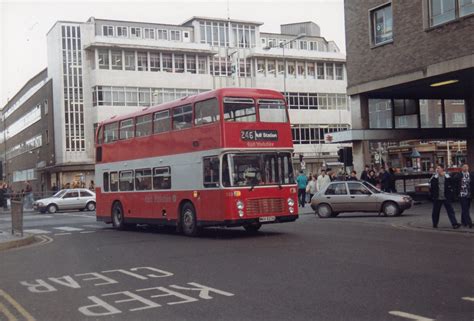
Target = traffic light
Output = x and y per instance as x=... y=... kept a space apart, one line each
x=348 y=156
x=340 y=154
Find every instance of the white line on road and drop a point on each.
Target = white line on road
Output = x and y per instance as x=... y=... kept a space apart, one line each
x=68 y=229
x=466 y=298
x=37 y=231
x=409 y=316
x=94 y=226
x=30 y=217
x=63 y=234
x=86 y=232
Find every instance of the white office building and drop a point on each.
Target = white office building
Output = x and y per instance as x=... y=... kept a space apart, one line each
x=101 y=68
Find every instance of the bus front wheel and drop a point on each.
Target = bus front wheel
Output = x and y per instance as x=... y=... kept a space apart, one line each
x=188 y=220
x=252 y=228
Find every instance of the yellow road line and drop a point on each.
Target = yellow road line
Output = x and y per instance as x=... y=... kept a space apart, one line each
x=7 y=313
x=17 y=306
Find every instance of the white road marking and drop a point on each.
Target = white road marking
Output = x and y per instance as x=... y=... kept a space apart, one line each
x=87 y=232
x=25 y=217
x=409 y=316
x=37 y=231
x=466 y=298
x=68 y=229
x=63 y=234
x=93 y=226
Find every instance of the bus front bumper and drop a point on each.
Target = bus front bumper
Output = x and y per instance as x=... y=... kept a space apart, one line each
x=248 y=221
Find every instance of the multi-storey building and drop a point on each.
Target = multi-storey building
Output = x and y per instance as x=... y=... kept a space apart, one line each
x=101 y=68
x=410 y=74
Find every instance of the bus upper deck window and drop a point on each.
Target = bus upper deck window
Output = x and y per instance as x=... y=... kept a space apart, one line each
x=239 y=110
x=272 y=111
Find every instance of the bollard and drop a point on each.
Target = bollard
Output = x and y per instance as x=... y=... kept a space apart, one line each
x=17 y=216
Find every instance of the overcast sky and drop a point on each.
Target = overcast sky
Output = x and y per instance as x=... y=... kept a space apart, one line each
x=24 y=24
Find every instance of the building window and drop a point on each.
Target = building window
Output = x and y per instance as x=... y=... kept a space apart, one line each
x=261 y=66
x=380 y=113
x=108 y=31
x=300 y=69
x=291 y=68
x=455 y=113
x=303 y=45
x=154 y=61
x=116 y=59
x=431 y=113
x=179 y=63
x=149 y=33
x=381 y=24
x=314 y=133
x=191 y=64
x=103 y=56
x=320 y=70
x=129 y=60
x=406 y=113
x=202 y=65
x=175 y=35
x=122 y=32
x=329 y=71
x=339 y=72
x=442 y=11
x=167 y=62
x=142 y=61
x=162 y=34
x=136 y=32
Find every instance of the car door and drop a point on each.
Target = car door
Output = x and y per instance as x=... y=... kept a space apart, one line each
x=85 y=196
x=336 y=196
x=70 y=200
x=361 y=198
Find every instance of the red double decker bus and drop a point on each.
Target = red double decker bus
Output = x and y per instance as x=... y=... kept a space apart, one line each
x=220 y=158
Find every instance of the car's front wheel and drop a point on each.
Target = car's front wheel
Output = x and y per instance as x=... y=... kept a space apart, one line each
x=90 y=206
x=324 y=211
x=391 y=209
x=52 y=208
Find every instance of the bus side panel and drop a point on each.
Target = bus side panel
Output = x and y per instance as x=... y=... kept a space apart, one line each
x=210 y=205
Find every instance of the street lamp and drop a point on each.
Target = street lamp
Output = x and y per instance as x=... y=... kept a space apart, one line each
x=282 y=46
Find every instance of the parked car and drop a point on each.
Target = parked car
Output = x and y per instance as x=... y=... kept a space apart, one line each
x=357 y=196
x=67 y=199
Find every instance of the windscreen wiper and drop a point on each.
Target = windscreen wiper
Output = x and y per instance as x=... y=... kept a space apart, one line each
x=252 y=187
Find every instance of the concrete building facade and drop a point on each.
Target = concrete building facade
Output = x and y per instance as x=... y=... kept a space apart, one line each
x=101 y=68
x=410 y=73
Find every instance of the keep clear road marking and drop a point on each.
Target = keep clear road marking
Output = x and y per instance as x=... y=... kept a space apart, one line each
x=409 y=316
x=16 y=305
x=68 y=229
x=94 y=226
x=37 y=231
x=466 y=298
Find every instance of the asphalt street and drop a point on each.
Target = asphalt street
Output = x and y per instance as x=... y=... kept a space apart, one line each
x=359 y=268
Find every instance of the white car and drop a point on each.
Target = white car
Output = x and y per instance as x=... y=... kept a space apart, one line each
x=67 y=199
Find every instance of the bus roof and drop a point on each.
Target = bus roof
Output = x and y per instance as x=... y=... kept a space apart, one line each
x=228 y=92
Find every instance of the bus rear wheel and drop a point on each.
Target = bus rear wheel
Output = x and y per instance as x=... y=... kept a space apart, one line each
x=188 y=220
x=117 y=216
x=252 y=228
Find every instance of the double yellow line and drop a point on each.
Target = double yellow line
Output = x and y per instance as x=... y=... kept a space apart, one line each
x=13 y=309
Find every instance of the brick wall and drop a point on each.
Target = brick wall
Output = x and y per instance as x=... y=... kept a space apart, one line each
x=413 y=47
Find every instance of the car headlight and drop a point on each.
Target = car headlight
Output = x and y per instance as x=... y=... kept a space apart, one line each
x=407 y=199
x=39 y=203
x=240 y=205
x=291 y=203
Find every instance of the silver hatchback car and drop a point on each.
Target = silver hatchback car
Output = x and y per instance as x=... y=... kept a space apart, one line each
x=357 y=196
x=67 y=199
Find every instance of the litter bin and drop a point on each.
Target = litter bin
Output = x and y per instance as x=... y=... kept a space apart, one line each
x=17 y=216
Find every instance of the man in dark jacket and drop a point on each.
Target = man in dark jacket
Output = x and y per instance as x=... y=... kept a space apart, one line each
x=365 y=174
x=442 y=194
x=385 y=180
x=465 y=190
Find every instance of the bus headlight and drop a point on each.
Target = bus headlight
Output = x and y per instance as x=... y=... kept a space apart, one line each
x=291 y=203
x=241 y=213
x=240 y=205
x=292 y=210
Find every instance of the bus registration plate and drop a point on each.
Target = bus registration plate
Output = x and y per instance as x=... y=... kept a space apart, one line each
x=266 y=219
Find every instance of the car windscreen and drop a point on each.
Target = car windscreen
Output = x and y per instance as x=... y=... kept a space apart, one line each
x=372 y=188
x=60 y=193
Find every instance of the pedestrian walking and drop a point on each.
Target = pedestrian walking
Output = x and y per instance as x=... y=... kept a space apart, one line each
x=392 y=182
x=465 y=188
x=323 y=180
x=28 y=193
x=311 y=187
x=302 y=181
x=442 y=194
x=3 y=200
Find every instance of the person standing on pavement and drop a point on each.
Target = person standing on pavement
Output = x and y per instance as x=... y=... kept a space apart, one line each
x=311 y=188
x=353 y=176
x=465 y=186
x=385 y=180
x=3 y=199
x=372 y=179
x=323 y=180
x=392 y=183
x=28 y=195
x=365 y=174
x=302 y=181
x=442 y=193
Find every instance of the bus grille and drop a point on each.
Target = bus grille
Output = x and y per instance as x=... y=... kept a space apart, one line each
x=265 y=206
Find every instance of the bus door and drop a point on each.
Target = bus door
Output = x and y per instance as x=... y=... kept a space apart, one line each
x=211 y=202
